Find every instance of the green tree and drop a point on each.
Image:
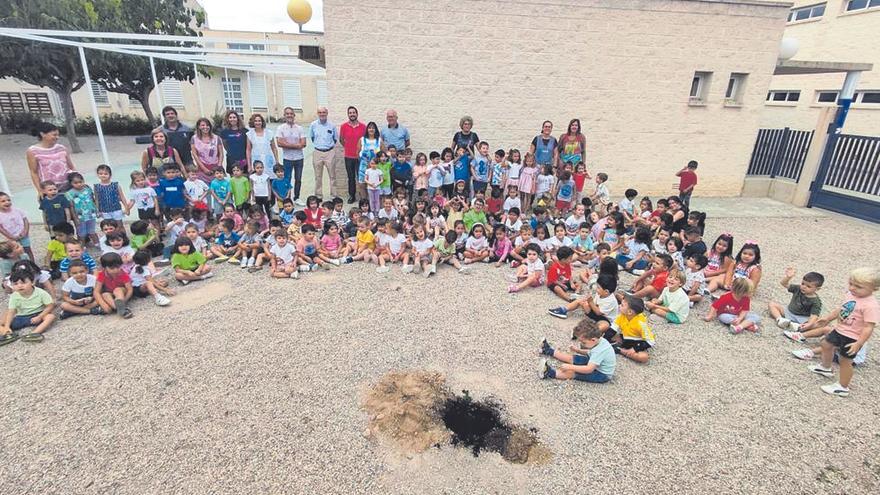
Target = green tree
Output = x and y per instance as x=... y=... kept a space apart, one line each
x=54 y=66
x=131 y=74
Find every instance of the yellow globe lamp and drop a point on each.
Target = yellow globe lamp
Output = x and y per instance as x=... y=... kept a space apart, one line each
x=300 y=11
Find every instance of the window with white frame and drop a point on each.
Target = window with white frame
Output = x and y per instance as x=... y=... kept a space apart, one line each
x=172 y=93
x=291 y=90
x=232 y=98
x=781 y=96
x=735 y=88
x=257 y=93
x=852 y=5
x=700 y=87
x=827 y=96
x=100 y=94
x=321 y=90
x=246 y=46
x=808 y=12
x=868 y=97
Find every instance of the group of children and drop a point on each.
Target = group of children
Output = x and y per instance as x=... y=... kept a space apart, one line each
x=573 y=244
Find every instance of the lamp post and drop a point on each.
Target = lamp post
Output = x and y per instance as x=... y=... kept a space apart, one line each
x=300 y=11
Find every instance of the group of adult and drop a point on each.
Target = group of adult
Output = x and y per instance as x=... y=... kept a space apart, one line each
x=236 y=144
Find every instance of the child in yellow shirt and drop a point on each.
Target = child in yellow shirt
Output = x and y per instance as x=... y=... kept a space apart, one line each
x=635 y=337
x=55 y=250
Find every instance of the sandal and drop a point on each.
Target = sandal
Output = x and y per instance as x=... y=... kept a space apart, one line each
x=8 y=338
x=33 y=337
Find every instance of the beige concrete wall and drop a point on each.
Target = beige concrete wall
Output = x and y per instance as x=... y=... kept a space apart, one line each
x=623 y=67
x=837 y=36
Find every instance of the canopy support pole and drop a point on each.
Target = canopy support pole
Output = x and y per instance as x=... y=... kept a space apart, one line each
x=88 y=77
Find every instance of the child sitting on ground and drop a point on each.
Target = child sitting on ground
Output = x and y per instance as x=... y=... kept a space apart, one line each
x=673 y=303
x=29 y=306
x=559 y=278
x=75 y=251
x=78 y=292
x=636 y=337
x=856 y=320
x=188 y=264
x=444 y=252
x=531 y=272
x=651 y=283
x=804 y=307
x=733 y=308
x=695 y=279
x=284 y=260
x=225 y=245
x=596 y=367
x=143 y=281
x=113 y=286
x=601 y=307
x=55 y=251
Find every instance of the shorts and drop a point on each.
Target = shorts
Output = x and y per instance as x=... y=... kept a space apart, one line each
x=112 y=215
x=563 y=205
x=672 y=317
x=385 y=191
x=610 y=334
x=566 y=287
x=85 y=228
x=597 y=318
x=425 y=258
x=840 y=342
x=148 y=214
x=636 y=345
x=140 y=291
x=480 y=186
x=728 y=318
x=595 y=377
x=22 y=321
x=795 y=318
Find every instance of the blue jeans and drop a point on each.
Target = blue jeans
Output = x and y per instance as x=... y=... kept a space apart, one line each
x=595 y=377
x=22 y=321
x=623 y=259
x=294 y=168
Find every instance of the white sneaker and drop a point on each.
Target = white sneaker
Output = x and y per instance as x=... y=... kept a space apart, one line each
x=244 y=262
x=336 y=262
x=304 y=268
x=794 y=326
x=252 y=262
x=426 y=273
x=294 y=275
x=207 y=276
x=638 y=272
x=819 y=370
x=782 y=322
x=835 y=389
x=464 y=270
x=803 y=354
x=434 y=268
x=162 y=300
x=407 y=269
x=795 y=336
x=383 y=269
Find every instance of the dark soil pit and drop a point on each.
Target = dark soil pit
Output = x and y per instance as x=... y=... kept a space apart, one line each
x=417 y=411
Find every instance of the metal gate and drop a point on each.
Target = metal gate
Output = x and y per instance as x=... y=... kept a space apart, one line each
x=780 y=152
x=848 y=179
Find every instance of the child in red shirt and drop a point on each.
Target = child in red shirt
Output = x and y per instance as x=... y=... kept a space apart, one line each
x=651 y=283
x=687 y=181
x=314 y=214
x=559 y=279
x=733 y=308
x=113 y=286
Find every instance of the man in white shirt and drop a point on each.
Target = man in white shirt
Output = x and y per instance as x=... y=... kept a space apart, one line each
x=292 y=141
x=324 y=137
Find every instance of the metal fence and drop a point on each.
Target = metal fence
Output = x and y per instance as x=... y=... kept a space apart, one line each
x=848 y=179
x=780 y=153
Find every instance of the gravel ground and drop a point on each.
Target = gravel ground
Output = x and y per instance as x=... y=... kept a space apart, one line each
x=251 y=385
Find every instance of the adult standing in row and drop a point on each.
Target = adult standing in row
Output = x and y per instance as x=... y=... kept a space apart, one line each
x=159 y=153
x=207 y=149
x=544 y=146
x=292 y=140
x=572 y=146
x=49 y=160
x=368 y=147
x=394 y=133
x=324 y=137
x=350 y=134
x=465 y=138
x=179 y=135
x=261 y=143
x=235 y=142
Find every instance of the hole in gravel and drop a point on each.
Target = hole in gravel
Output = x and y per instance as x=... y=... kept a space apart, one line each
x=417 y=411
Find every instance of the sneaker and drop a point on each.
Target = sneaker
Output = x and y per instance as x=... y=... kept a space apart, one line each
x=433 y=268
x=233 y=260
x=221 y=259
x=206 y=276
x=512 y=278
x=464 y=270
x=162 y=300
x=543 y=369
x=383 y=269
x=795 y=336
x=736 y=329
x=803 y=354
x=184 y=282
x=513 y=288
x=305 y=268
x=252 y=262
x=426 y=273
x=336 y=262
x=794 y=326
x=97 y=310
x=162 y=262
x=486 y=260
x=406 y=269
x=545 y=348
x=294 y=275
x=244 y=262
x=514 y=264
x=348 y=259
x=299 y=202
x=66 y=314
x=559 y=312
x=255 y=269
x=783 y=322
x=638 y=272
x=835 y=389
x=819 y=370
x=127 y=314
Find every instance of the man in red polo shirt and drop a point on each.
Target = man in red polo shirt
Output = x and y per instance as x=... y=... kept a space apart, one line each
x=349 y=134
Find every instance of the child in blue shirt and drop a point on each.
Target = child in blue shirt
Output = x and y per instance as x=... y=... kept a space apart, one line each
x=597 y=366
x=219 y=194
x=480 y=167
x=171 y=190
x=286 y=213
x=280 y=188
x=461 y=168
x=226 y=245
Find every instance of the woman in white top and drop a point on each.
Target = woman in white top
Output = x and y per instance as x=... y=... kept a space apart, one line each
x=367 y=148
x=262 y=143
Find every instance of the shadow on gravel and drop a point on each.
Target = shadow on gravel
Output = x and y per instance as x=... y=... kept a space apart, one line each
x=417 y=411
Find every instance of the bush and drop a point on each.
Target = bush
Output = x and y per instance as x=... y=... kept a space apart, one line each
x=20 y=123
x=115 y=124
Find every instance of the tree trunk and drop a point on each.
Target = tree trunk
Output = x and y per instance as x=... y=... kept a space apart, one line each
x=144 y=98
x=69 y=119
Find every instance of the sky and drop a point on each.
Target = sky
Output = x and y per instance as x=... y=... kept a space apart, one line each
x=259 y=15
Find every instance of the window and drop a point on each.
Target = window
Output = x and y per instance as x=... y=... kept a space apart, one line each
x=867 y=97
x=172 y=94
x=783 y=96
x=808 y=12
x=309 y=53
x=861 y=4
x=38 y=103
x=246 y=46
x=232 y=99
x=321 y=89
x=292 y=91
x=735 y=88
x=100 y=94
x=700 y=87
x=826 y=96
x=11 y=103
x=257 y=94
